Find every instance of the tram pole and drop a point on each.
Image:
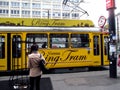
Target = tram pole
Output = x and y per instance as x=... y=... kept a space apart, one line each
x=110 y=6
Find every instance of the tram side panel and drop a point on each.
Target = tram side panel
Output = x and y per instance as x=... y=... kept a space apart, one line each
x=59 y=55
x=64 y=58
x=63 y=49
x=80 y=54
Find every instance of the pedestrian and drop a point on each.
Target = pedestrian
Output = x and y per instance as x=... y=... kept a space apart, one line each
x=118 y=61
x=34 y=70
x=44 y=45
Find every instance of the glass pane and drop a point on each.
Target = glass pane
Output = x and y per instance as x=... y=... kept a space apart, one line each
x=96 y=45
x=2 y=47
x=16 y=46
x=106 y=45
x=59 y=40
x=79 y=40
x=40 y=39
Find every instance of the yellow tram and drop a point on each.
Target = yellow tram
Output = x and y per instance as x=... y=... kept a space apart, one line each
x=65 y=46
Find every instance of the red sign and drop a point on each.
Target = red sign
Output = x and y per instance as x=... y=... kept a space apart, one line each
x=110 y=4
x=101 y=21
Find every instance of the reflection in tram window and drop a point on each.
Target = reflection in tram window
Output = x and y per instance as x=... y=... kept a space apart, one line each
x=39 y=39
x=2 y=47
x=96 y=45
x=59 y=40
x=44 y=45
x=16 y=46
x=79 y=40
x=106 y=45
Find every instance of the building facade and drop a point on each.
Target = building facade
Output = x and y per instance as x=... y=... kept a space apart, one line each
x=53 y=9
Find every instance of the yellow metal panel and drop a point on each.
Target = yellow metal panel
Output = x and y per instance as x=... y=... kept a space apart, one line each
x=45 y=22
x=57 y=58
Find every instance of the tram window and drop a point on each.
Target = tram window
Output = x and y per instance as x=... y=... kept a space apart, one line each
x=40 y=39
x=106 y=45
x=59 y=40
x=2 y=47
x=79 y=40
x=16 y=46
x=96 y=45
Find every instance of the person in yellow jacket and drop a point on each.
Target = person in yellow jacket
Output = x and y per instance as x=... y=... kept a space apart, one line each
x=33 y=64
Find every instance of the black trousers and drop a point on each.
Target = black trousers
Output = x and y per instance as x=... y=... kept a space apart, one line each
x=35 y=83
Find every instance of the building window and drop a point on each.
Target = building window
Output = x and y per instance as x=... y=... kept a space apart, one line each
x=56 y=0
x=15 y=4
x=46 y=14
x=3 y=3
x=75 y=1
x=25 y=12
x=66 y=15
x=36 y=13
x=56 y=14
x=35 y=5
x=46 y=6
x=65 y=8
x=15 y=12
x=37 y=0
x=74 y=15
x=56 y=6
x=3 y=11
x=25 y=5
x=0 y=11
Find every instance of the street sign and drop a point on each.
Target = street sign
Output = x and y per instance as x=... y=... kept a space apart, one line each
x=110 y=4
x=101 y=21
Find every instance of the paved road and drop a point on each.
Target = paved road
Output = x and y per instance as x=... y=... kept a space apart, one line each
x=93 y=80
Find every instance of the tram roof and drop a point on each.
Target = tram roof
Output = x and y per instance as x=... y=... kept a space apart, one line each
x=44 y=29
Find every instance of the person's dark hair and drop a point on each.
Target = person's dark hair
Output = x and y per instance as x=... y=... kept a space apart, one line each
x=44 y=45
x=119 y=56
x=34 y=47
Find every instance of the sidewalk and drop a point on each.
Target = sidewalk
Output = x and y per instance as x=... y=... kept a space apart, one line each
x=98 y=80
x=93 y=80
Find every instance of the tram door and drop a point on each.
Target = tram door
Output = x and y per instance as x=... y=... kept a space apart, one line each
x=97 y=49
x=16 y=52
x=100 y=49
x=3 y=51
x=105 y=49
